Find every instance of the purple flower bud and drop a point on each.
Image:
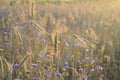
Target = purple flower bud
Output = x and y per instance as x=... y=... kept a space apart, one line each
x=15 y=67
x=77 y=45
x=37 y=35
x=97 y=68
x=69 y=41
x=84 y=78
x=102 y=76
x=58 y=74
x=67 y=67
x=43 y=41
x=80 y=70
x=34 y=65
x=35 y=78
x=47 y=75
x=65 y=57
x=87 y=58
x=78 y=61
x=83 y=47
x=65 y=63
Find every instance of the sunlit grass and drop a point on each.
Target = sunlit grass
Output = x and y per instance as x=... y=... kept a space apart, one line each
x=65 y=41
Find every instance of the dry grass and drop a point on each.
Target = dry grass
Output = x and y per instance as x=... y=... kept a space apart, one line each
x=62 y=41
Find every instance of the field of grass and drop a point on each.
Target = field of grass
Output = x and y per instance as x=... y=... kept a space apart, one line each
x=63 y=41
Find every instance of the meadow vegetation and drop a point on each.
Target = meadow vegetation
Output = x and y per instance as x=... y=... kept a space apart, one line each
x=59 y=40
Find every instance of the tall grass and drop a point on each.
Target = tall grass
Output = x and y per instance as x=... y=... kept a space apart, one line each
x=65 y=41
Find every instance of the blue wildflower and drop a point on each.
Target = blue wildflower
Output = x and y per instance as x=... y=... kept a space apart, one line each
x=58 y=74
x=47 y=75
x=43 y=41
x=34 y=65
x=87 y=58
x=84 y=78
x=77 y=45
x=35 y=78
x=102 y=76
x=65 y=63
x=83 y=47
x=65 y=57
x=68 y=41
x=15 y=67
x=99 y=68
x=67 y=67
x=37 y=35
x=80 y=70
